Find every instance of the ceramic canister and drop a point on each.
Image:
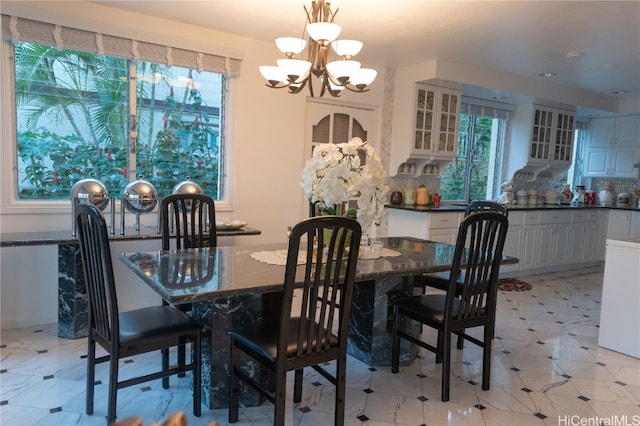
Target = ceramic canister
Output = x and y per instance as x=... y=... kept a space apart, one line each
x=422 y=196
x=409 y=198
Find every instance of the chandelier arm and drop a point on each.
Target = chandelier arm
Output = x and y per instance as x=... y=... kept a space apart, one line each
x=355 y=89
x=310 y=80
x=276 y=86
x=297 y=89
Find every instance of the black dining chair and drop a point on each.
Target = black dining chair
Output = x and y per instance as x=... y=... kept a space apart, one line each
x=440 y=280
x=470 y=299
x=191 y=219
x=311 y=331
x=125 y=334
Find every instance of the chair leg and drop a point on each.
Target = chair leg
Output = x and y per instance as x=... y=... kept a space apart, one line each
x=441 y=347
x=165 y=367
x=182 y=356
x=486 y=356
x=297 y=386
x=280 y=397
x=395 y=346
x=234 y=383
x=446 y=364
x=91 y=374
x=197 y=376
x=460 y=344
x=341 y=373
x=113 y=388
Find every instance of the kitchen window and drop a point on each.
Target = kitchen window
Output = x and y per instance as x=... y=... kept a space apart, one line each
x=475 y=171
x=96 y=106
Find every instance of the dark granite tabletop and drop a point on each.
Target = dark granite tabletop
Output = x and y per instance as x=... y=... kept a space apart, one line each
x=184 y=276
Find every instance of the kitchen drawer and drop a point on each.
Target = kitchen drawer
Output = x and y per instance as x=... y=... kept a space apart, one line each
x=555 y=217
x=516 y=218
x=579 y=216
x=531 y=217
x=592 y=216
x=444 y=220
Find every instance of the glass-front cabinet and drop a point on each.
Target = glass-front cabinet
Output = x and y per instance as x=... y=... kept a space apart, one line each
x=551 y=135
x=437 y=112
x=541 y=141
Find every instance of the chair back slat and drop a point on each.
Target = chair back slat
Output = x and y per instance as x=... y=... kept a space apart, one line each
x=323 y=281
x=191 y=218
x=479 y=206
x=93 y=239
x=481 y=238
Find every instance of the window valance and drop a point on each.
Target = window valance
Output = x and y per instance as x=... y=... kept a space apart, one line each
x=16 y=29
x=486 y=108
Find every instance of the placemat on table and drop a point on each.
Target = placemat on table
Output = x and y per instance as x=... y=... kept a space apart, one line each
x=279 y=257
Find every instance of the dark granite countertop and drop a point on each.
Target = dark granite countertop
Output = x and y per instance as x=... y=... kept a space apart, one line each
x=15 y=239
x=461 y=207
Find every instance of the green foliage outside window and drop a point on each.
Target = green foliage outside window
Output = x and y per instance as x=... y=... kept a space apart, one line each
x=72 y=111
x=467 y=177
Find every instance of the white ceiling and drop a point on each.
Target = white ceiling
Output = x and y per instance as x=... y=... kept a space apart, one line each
x=525 y=38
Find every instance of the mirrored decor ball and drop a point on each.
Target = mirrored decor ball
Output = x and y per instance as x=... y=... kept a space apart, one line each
x=92 y=191
x=140 y=197
x=187 y=187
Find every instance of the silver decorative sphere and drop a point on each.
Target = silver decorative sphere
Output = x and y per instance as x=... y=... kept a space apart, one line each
x=140 y=197
x=90 y=191
x=187 y=187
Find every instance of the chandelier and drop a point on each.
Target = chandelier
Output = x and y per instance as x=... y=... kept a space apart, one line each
x=333 y=76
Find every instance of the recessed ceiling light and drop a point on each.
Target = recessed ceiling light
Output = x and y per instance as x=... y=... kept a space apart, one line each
x=547 y=74
x=574 y=54
x=620 y=92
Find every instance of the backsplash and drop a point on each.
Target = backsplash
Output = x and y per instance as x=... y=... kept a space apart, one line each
x=619 y=185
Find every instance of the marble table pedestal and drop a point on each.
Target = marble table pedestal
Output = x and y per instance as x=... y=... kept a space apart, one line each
x=369 y=338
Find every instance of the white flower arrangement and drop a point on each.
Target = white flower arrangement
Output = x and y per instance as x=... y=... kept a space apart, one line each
x=334 y=175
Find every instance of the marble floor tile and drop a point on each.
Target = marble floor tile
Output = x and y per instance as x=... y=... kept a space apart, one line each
x=546 y=365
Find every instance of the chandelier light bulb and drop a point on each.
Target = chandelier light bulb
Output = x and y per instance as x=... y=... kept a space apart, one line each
x=294 y=69
x=291 y=46
x=342 y=71
x=323 y=32
x=346 y=49
x=273 y=75
x=363 y=77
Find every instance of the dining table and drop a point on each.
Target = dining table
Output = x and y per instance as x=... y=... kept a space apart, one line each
x=239 y=285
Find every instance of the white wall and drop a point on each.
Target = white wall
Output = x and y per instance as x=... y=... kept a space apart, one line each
x=266 y=139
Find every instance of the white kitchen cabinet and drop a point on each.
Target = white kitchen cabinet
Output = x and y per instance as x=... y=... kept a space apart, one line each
x=513 y=242
x=614 y=131
x=528 y=247
x=443 y=227
x=590 y=250
x=529 y=244
x=613 y=147
x=553 y=238
x=541 y=140
x=601 y=235
x=578 y=235
x=437 y=113
x=620 y=224
x=615 y=162
x=438 y=226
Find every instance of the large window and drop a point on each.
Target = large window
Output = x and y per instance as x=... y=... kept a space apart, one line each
x=157 y=116
x=475 y=172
